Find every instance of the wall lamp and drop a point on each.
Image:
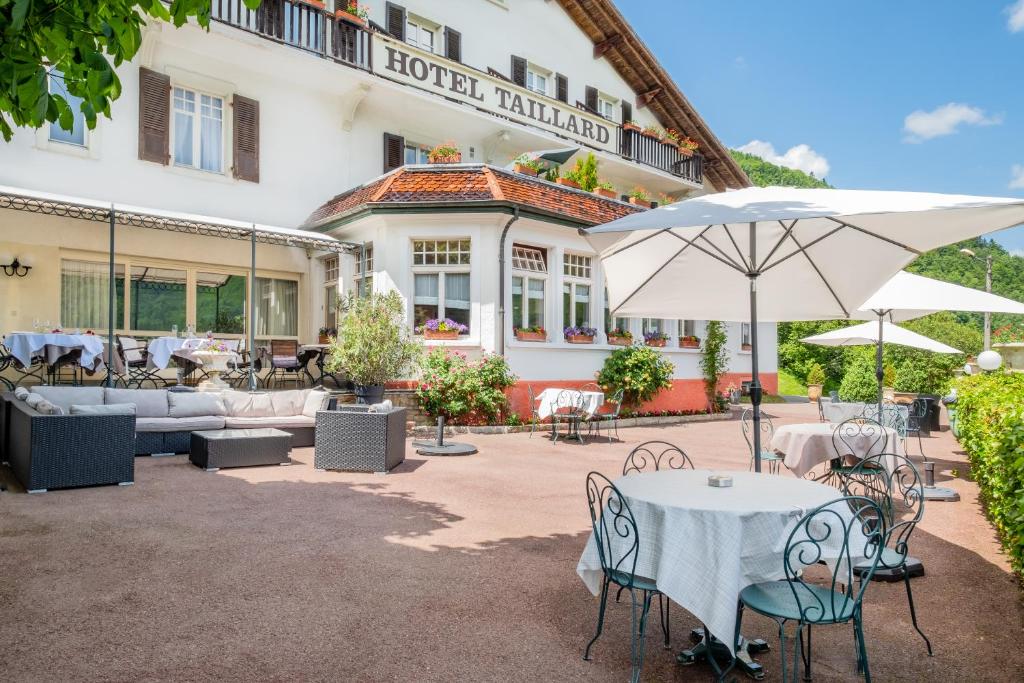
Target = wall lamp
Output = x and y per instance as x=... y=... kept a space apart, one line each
x=13 y=266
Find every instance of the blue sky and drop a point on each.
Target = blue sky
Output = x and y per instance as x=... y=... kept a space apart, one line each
x=908 y=95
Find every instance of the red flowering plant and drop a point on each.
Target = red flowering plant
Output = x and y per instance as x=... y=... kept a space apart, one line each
x=464 y=391
x=1008 y=334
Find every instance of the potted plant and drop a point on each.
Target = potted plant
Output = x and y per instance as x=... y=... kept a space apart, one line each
x=214 y=356
x=536 y=333
x=605 y=189
x=631 y=125
x=690 y=341
x=325 y=334
x=620 y=337
x=441 y=329
x=687 y=146
x=445 y=153
x=746 y=347
x=353 y=12
x=526 y=165
x=655 y=339
x=734 y=394
x=671 y=136
x=652 y=132
x=373 y=344
x=569 y=180
x=815 y=380
x=579 y=335
x=639 y=197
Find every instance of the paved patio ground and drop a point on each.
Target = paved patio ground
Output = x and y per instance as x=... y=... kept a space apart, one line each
x=447 y=569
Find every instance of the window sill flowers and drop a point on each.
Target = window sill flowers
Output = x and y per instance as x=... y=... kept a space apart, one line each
x=354 y=13
x=446 y=153
x=441 y=329
x=655 y=339
x=579 y=335
x=620 y=337
x=689 y=342
x=531 y=334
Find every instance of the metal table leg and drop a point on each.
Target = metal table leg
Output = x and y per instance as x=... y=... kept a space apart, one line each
x=744 y=660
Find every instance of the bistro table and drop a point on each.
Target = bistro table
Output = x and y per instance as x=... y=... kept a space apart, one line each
x=841 y=412
x=702 y=545
x=24 y=346
x=554 y=398
x=805 y=446
x=161 y=349
x=308 y=352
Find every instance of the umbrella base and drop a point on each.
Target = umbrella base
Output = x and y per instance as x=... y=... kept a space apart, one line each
x=744 y=662
x=940 y=493
x=447 y=448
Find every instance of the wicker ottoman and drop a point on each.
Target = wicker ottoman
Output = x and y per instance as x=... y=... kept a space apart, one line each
x=218 y=448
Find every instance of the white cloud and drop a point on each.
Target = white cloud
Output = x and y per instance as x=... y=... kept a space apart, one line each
x=800 y=157
x=1017 y=179
x=741 y=61
x=1015 y=16
x=924 y=125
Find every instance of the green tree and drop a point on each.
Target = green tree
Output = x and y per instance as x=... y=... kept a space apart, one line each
x=763 y=173
x=714 y=360
x=373 y=344
x=584 y=172
x=78 y=39
x=859 y=382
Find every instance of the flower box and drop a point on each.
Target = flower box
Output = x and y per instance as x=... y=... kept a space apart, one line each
x=313 y=3
x=619 y=340
x=440 y=334
x=656 y=343
x=629 y=125
x=640 y=202
x=351 y=18
x=525 y=170
x=689 y=343
x=605 y=192
x=323 y=339
x=746 y=347
x=651 y=133
x=523 y=335
x=449 y=159
x=685 y=151
x=580 y=338
x=567 y=182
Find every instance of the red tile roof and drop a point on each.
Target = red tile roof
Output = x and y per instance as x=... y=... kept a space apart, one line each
x=465 y=184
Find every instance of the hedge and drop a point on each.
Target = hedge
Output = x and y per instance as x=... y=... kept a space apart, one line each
x=990 y=425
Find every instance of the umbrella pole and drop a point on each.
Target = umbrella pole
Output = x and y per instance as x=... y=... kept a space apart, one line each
x=755 y=381
x=879 y=370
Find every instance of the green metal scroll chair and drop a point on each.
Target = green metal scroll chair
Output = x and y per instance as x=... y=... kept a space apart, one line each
x=534 y=414
x=842 y=533
x=851 y=440
x=568 y=409
x=769 y=458
x=608 y=413
x=896 y=486
x=653 y=456
x=618 y=547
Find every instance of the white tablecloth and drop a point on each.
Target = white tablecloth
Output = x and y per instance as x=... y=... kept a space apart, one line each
x=703 y=545
x=841 y=412
x=808 y=445
x=162 y=348
x=26 y=345
x=592 y=400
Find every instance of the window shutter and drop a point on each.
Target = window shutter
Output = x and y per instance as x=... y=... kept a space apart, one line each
x=561 y=88
x=246 y=124
x=394 y=151
x=395 y=20
x=154 y=116
x=591 y=98
x=452 y=44
x=627 y=111
x=518 y=71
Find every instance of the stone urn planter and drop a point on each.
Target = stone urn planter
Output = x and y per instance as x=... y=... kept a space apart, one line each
x=214 y=363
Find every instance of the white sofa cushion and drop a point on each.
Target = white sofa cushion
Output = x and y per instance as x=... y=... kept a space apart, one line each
x=194 y=404
x=282 y=422
x=108 y=409
x=47 y=408
x=65 y=396
x=315 y=400
x=148 y=402
x=20 y=393
x=33 y=399
x=244 y=404
x=288 y=403
x=178 y=424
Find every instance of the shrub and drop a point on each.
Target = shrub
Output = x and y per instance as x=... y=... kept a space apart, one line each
x=640 y=371
x=584 y=172
x=463 y=391
x=888 y=375
x=714 y=361
x=816 y=374
x=990 y=424
x=373 y=343
x=859 y=383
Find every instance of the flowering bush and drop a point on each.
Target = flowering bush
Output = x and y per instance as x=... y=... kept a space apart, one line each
x=640 y=372
x=446 y=325
x=1008 y=334
x=579 y=331
x=464 y=392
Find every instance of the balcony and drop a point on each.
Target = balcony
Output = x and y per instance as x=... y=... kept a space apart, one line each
x=663 y=156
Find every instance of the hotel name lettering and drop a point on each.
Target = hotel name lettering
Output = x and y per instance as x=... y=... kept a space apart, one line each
x=489 y=93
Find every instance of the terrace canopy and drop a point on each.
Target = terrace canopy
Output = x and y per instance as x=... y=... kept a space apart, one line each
x=22 y=199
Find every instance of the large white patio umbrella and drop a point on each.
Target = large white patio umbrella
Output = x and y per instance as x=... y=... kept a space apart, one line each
x=779 y=253
x=870 y=334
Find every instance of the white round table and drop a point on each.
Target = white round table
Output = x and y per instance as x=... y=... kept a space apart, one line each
x=161 y=349
x=703 y=545
x=553 y=397
x=805 y=446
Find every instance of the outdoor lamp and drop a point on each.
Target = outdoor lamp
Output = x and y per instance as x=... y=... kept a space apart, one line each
x=13 y=266
x=989 y=360
x=968 y=370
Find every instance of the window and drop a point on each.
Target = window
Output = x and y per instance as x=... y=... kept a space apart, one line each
x=332 y=272
x=606 y=107
x=198 y=130
x=277 y=307
x=745 y=334
x=84 y=295
x=529 y=259
x=420 y=33
x=416 y=153
x=331 y=269
x=157 y=298
x=441 y=284
x=576 y=265
x=529 y=285
x=576 y=290
x=364 y=281
x=537 y=79
x=651 y=325
x=687 y=328
x=75 y=136
x=220 y=303
x=610 y=323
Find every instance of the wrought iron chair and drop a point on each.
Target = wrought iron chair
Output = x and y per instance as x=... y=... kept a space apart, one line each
x=568 y=408
x=534 y=414
x=66 y=369
x=653 y=456
x=135 y=359
x=894 y=416
x=773 y=459
x=895 y=485
x=821 y=409
x=284 y=361
x=238 y=369
x=842 y=533
x=618 y=547
x=918 y=414
x=609 y=413
x=846 y=438
x=35 y=370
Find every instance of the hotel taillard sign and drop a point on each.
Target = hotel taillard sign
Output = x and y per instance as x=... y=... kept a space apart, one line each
x=398 y=62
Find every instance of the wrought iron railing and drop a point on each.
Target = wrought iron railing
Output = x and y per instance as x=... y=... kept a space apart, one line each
x=661 y=155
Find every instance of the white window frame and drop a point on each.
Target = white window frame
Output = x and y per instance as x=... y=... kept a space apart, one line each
x=197 y=129
x=50 y=80
x=418 y=24
x=609 y=320
x=607 y=102
x=357 y=278
x=744 y=334
x=577 y=269
x=422 y=152
x=682 y=331
x=332 y=273
x=524 y=265
x=442 y=271
x=533 y=72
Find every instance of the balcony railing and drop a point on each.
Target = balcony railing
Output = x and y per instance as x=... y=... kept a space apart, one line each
x=661 y=155
x=300 y=25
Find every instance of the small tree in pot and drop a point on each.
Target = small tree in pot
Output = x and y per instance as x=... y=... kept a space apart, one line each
x=373 y=344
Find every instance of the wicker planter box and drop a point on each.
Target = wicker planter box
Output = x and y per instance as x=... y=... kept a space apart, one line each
x=580 y=339
x=689 y=344
x=532 y=336
x=441 y=334
x=640 y=202
x=619 y=340
x=354 y=439
x=567 y=182
x=605 y=192
x=525 y=170
x=656 y=343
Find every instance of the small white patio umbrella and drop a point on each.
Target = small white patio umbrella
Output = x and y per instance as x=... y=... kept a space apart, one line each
x=778 y=253
x=869 y=333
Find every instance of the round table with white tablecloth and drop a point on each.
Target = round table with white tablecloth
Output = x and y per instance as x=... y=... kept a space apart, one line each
x=51 y=346
x=161 y=349
x=702 y=545
x=805 y=446
x=841 y=412
x=553 y=397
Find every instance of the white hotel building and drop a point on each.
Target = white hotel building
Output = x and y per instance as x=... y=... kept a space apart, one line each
x=294 y=117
